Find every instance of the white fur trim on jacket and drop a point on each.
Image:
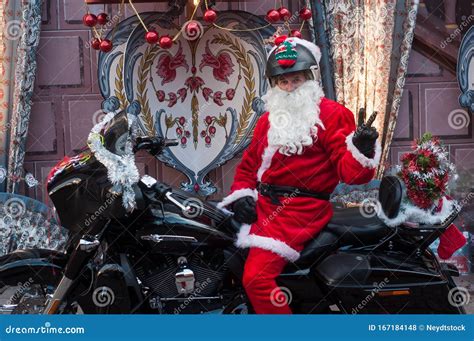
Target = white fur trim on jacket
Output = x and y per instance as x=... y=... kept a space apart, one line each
x=240 y=193
x=266 y=160
x=245 y=239
x=361 y=158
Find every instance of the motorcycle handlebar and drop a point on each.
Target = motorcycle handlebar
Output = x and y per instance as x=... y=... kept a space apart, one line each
x=154 y=144
x=171 y=142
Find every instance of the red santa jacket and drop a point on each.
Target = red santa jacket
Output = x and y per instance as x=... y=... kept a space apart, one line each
x=332 y=158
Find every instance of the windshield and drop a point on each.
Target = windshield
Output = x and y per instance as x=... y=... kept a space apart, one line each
x=116 y=133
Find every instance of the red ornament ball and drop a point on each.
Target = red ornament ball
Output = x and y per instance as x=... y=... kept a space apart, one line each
x=95 y=44
x=208 y=139
x=273 y=16
x=212 y=130
x=102 y=18
x=296 y=33
x=305 y=13
x=210 y=16
x=152 y=37
x=285 y=13
x=89 y=20
x=106 y=45
x=184 y=140
x=166 y=42
x=280 y=39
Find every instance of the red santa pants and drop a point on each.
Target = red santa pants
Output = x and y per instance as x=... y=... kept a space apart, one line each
x=261 y=269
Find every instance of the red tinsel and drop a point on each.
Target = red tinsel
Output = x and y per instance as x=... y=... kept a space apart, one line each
x=425 y=171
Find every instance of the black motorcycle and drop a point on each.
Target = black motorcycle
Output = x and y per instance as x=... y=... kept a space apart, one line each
x=175 y=254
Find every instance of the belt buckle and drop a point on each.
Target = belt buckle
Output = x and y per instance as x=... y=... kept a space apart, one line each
x=267 y=191
x=263 y=188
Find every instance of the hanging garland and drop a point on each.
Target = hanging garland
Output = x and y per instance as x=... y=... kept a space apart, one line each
x=122 y=171
x=101 y=21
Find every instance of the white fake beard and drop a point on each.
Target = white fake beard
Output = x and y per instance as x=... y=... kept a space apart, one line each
x=293 y=117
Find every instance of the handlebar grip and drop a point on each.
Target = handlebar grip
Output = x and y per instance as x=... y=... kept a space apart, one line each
x=171 y=142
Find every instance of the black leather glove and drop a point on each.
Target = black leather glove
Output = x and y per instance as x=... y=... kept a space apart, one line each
x=245 y=210
x=365 y=136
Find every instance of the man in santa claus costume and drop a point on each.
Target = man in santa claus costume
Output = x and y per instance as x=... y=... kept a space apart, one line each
x=302 y=146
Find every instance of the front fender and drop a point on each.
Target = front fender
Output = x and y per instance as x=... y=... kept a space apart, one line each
x=34 y=265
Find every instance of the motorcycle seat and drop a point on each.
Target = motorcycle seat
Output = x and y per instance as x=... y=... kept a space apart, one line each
x=348 y=227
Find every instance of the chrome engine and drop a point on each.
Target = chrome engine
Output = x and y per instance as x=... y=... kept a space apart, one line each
x=178 y=277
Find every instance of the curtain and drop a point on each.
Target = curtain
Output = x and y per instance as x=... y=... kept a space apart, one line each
x=20 y=23
x=370 y=43
x=9 y=26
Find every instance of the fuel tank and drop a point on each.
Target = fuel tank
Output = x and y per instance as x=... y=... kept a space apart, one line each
x=169 y=230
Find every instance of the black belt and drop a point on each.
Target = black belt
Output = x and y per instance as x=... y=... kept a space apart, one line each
x=274 y=191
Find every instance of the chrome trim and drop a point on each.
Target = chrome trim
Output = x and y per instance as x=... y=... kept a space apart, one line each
x=157 y=238
x=58 y=295
x=88 y=245
x=70 y=182
x=7 y=308
x=185 y=280
x=148 y=181
x=114 y=193
x=185 y=209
